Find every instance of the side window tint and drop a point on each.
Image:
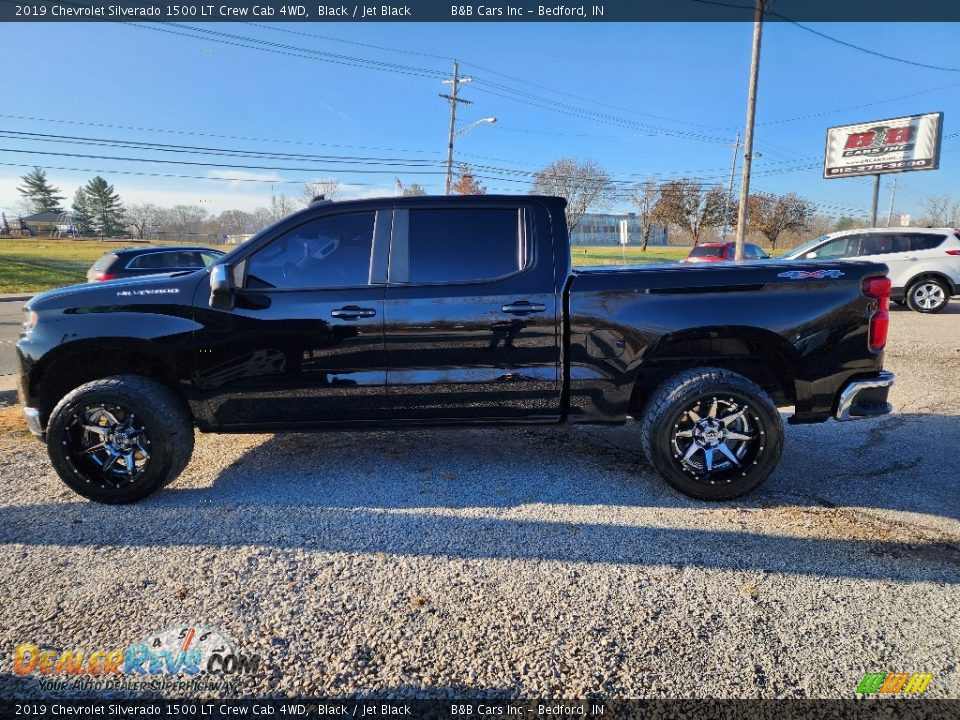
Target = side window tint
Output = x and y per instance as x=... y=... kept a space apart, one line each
x=329 y=252
x=884 y=244
x=463 y=245
x=838 y=248
x=152 y=261
x=925 y=241
x=189 y=260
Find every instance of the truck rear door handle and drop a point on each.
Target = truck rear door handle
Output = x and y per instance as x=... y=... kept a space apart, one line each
x=522 y=307
x=352 y=312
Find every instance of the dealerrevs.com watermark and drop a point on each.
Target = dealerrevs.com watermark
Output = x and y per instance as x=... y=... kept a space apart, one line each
x=187 y=658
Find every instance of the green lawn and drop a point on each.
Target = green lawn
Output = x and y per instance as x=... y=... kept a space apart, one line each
x=597 y=255
x=41 y=264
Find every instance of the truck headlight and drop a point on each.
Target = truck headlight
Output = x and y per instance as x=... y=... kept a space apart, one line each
x=30 y=322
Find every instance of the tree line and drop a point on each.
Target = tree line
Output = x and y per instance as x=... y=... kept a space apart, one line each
x=97 y=210
x=682 y=203
x=685 y=204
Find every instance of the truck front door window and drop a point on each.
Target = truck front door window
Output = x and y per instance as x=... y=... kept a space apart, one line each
x=325 y=253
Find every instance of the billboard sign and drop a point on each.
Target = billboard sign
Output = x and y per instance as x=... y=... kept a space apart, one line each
x=884 y=146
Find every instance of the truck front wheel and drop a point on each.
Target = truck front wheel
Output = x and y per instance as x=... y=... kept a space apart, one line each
x=119 y=439
x=712 y=434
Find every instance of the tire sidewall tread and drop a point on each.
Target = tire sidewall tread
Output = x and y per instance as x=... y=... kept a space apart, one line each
x=680 y=389
x=169 y=424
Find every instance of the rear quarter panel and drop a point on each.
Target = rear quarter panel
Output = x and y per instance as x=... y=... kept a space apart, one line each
x=810 y=333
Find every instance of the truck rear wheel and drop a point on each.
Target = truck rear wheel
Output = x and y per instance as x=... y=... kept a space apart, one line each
x=712 y=434
x=119 y=439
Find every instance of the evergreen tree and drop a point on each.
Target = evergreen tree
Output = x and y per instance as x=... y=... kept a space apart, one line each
x=39 y=193
x=82 y=218
x=105 y=208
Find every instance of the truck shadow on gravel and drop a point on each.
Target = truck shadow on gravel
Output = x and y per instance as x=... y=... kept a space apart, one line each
x=584 y=496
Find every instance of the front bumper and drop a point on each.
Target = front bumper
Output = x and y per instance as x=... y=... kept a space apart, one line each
x=866 y=397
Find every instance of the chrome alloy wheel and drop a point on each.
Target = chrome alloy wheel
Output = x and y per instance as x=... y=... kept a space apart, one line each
x=717 y=439
x=106 y=445
x=928 y=295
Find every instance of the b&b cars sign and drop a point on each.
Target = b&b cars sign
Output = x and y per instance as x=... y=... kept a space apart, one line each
x=884 y=146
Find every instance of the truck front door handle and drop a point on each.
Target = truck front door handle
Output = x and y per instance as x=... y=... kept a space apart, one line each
x=352 y=312
x=522 y=307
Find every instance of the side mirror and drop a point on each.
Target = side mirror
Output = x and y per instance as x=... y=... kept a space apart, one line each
x=221 y=294
x=811 y=256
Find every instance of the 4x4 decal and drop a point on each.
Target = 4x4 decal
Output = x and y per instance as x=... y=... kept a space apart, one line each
x=811 y=274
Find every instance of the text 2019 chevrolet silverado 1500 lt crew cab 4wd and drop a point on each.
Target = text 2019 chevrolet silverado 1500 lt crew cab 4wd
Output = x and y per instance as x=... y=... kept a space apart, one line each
x=448 y=310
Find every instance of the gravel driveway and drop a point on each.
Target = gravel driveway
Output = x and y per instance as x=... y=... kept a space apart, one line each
x=519 y=562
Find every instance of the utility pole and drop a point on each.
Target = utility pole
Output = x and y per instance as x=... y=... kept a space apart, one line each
x=748 y=139
x=893 y=194
x=876 y=199
x=726 y=207
x=453 y=98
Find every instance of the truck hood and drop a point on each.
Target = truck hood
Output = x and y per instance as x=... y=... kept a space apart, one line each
x=165 y=286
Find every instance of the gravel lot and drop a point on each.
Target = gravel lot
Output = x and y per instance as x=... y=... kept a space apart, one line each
x=519 y=562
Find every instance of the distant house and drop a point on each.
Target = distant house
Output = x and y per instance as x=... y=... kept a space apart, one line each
x=48 y=222
x=605 y=229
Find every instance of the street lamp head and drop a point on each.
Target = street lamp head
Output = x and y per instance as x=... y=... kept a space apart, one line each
x=467 y=128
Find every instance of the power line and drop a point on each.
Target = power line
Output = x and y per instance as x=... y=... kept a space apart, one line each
x=868 y=51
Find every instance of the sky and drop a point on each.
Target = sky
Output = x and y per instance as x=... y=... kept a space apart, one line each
x=654 y=100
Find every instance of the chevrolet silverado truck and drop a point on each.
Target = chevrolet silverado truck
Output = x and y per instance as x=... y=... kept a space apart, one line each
x=397 y=312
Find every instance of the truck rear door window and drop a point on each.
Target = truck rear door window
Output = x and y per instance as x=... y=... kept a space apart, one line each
x=465 y=245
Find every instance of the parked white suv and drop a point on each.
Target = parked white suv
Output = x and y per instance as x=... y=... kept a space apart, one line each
x=924 y=262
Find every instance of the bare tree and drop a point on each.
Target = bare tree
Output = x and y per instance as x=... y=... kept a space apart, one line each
x=941 y=211
x=687 y=205
x=236 y=222
x=414 y=190
x=645 y=197
x=467 y=183
x=186 y=220
x=585 y=185
x=261 y=218
x=282 y=205
x=772 y=214
x=141 y=216
x=329 y=188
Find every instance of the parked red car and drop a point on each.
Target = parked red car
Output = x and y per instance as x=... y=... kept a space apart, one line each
x=719 y=252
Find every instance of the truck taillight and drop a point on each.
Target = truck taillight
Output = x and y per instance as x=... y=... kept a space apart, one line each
x=105 y=276
x=878 y=288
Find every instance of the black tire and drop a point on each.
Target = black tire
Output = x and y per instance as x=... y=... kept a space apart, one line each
x=928 y=295
x=670 y=428
x=138 y=438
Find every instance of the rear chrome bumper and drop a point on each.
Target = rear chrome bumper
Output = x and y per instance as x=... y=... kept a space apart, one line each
x=865 y=398
x=33 y=421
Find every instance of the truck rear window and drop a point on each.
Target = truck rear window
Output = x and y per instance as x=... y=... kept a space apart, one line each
x=465 y=245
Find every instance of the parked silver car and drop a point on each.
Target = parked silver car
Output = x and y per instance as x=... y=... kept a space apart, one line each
x=924 y=262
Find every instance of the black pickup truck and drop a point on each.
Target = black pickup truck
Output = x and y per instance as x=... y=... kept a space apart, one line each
x=448 y=310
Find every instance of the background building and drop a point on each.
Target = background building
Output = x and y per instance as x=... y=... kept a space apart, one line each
x=604 y=229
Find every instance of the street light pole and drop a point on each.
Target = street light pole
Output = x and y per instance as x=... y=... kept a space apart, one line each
x=454 y=100
x=748 y=138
